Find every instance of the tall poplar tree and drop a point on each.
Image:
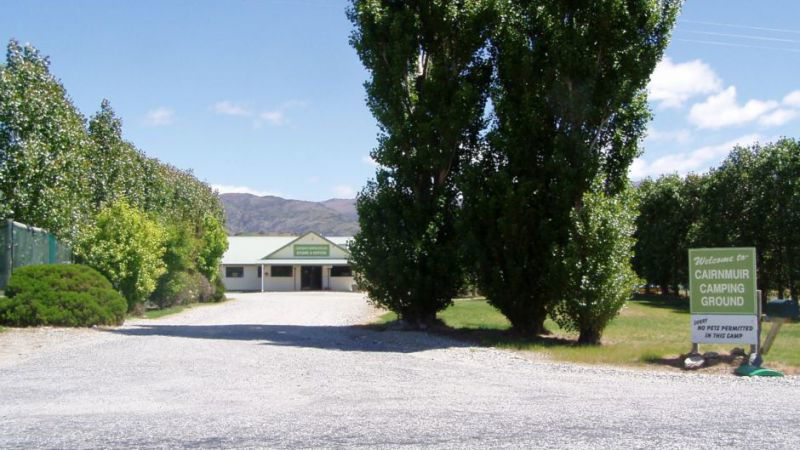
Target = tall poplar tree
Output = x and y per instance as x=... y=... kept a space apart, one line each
x=569 y=102
x=43 y=146
x=429 y=74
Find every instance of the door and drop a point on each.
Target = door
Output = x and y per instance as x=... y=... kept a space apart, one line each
x=311 y=278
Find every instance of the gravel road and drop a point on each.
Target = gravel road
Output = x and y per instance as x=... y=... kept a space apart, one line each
x=290 y=370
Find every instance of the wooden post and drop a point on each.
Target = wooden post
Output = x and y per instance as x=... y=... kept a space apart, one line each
x=9 y=251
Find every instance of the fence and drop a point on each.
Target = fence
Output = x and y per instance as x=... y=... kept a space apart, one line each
x=22 y=245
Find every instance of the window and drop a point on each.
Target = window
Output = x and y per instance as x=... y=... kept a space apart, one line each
x=281 y=271
x=259 y=271
x=341 y=271
x=234 y=272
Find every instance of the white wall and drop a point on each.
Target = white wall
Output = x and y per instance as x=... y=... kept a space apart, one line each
x=342 y=284
x=250 y=281
x=281 y=283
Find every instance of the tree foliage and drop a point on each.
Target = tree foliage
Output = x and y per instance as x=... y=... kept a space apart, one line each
x=127 y=247
x=751 y=200
x=428 y=92
x=569 y=101
x=669 y=208
x=597 y=263
x=44 y=147
x=60 y=173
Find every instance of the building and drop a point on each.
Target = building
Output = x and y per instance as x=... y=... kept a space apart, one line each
x=287 y=263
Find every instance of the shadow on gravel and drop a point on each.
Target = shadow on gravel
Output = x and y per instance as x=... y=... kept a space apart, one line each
x=726 y=360
x=488 y=337
x=344 y=338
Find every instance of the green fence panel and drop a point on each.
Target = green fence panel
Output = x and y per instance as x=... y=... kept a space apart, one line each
x=23 y=245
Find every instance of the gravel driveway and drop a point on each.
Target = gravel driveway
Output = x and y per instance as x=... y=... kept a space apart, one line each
x=289 y=370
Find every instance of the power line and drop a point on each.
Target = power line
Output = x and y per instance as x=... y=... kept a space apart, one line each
x=747 y=27
x=743 y=36
x=730 y=44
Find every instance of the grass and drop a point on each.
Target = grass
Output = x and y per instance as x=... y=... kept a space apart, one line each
x=159 y=313
x=650 y=331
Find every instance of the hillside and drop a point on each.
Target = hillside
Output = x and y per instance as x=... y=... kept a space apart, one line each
x=251 y=214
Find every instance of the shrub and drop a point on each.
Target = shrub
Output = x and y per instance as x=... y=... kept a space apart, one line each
x=203 y=287
x=597 y=263
x=126 y=246
x=61 y=294
x=214 y=242
x=219 y=290
x=174 y=288
x=181 y=288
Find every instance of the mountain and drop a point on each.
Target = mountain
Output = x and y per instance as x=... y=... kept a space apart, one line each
x=251 y=214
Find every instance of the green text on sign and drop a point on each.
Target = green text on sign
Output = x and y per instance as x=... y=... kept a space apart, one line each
x=723 y=281
x=312 y=250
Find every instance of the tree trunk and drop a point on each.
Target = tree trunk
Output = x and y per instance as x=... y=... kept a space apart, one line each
x=530 y=328
x=540 y=328
x=416 y=320
x=589 y=337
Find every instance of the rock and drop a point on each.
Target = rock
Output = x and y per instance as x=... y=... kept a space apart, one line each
x=693 y=362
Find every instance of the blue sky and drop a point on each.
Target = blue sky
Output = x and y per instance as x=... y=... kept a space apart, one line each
x=266 y=96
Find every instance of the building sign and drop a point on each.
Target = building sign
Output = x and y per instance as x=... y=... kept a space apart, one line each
x=312 y=250
x=723 y=298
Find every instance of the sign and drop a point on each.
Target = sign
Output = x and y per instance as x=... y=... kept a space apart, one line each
x=312 y=250
x=724 y=329
x=723 y=297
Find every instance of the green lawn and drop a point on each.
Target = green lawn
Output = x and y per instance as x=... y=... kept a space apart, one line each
x=159 y=313
x=650 y=331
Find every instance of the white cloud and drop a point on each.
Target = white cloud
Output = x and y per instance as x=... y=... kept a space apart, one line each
x=228 y=108
x=778 y=117
x=366 y=159
x=229 y=189
x=343 y=191
x=276 y=118
x=680 y=136
x=792 y=99
x=684 y=162
x=159 y=116
x=673 y=84
x=722 y=110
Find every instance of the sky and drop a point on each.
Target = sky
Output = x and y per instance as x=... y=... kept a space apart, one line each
x=267 y=97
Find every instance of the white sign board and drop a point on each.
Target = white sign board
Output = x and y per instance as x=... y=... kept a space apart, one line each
x=724 y=329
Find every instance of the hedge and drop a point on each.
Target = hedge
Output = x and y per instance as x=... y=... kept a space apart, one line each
x=71 y=295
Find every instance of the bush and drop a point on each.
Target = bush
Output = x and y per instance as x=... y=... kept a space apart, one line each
x=61 y=294
x=219 y=290
x=181 y=288
x=204 y=289
x=126 y=246
x=597 y=263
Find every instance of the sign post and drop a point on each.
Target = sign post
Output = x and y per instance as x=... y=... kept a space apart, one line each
x=723 y=297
